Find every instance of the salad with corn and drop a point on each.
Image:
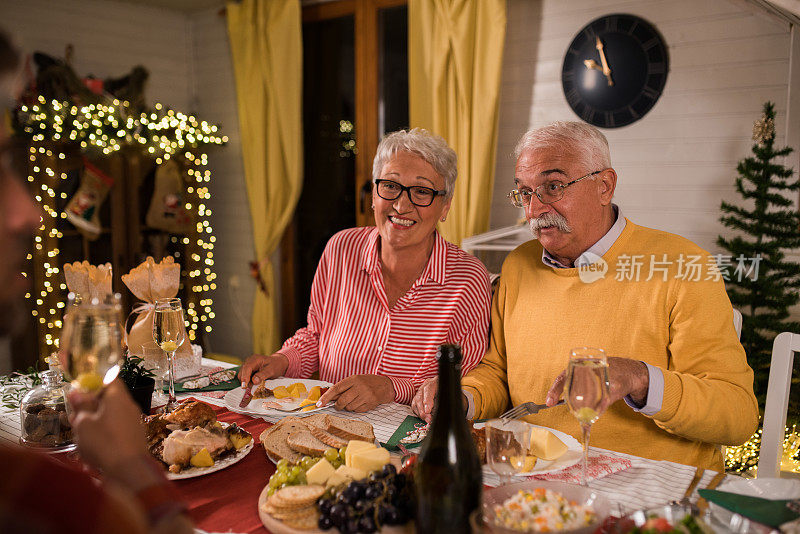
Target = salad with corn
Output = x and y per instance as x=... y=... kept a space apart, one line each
x=542 y=510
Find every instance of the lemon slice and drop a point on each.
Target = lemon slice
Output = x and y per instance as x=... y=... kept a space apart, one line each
x=586 y=415
x=88 y=381
x=169 y=346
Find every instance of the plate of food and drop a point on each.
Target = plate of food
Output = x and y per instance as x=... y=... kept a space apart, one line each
x=550 y=451
x=274 y=397
x=543 y=506
x=665 y=519
x=190 y=442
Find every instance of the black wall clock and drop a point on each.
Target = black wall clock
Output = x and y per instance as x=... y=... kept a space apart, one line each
x=615 y=70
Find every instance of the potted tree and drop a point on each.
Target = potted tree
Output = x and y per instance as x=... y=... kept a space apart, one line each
x=139 y=379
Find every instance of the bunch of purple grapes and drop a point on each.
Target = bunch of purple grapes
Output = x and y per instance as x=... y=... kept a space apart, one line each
x=386 y=497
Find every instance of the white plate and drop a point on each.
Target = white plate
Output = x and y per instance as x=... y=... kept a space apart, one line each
x=256 y=406
x=568 y=459
x=191 y=472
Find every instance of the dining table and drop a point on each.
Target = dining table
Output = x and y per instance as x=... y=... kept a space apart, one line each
x=226 y=500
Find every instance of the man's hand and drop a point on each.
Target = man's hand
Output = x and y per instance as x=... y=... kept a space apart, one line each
x=423 y=401
x=625 y=377
x=107 y=430
x=359 y=393
x=258 y=368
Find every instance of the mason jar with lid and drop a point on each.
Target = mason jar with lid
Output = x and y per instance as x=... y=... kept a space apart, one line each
x=43 y=415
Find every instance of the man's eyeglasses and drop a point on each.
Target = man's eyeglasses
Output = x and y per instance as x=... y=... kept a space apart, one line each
x=547 y=193
x=418 y=195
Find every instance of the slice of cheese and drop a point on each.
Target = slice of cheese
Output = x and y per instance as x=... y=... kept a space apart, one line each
x=546 y=445
x=314 y=394
x=352 y=472
x=355 y=445
x=281 y=392
x=298 y=390
x=308 y=402
x=336 y=479
x=320 y=472
x=370 y=459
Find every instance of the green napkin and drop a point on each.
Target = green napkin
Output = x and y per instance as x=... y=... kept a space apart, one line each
x=408 y=424
x=769 y=512
x=222 y=386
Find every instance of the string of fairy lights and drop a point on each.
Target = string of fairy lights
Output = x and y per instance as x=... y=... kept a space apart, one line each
x=101 y=129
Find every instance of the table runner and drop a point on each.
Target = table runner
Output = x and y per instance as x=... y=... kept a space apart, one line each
x=227 y=500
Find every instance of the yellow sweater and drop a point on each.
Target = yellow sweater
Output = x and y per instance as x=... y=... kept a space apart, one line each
x=683 y=326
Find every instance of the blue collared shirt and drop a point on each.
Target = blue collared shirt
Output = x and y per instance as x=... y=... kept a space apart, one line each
x=655 y=392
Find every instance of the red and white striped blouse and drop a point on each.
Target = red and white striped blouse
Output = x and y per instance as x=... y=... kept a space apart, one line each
x=352 y=331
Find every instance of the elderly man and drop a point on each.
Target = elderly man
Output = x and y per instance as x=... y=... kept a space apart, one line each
x=38 y=494
x=654 y=301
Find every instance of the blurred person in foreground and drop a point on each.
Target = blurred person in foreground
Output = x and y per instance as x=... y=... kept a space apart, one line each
x=594 y=278
x=37 y=493
x=385 y=297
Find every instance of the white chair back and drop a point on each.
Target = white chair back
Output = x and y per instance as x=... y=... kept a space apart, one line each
x=737 y=322
x=780 y=378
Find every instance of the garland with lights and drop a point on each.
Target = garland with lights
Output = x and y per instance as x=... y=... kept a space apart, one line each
x=744 y=458
x=101 y=130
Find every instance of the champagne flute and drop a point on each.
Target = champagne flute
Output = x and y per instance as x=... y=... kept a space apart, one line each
x=168 y=333
x=155 y=360
x=90 y=349
x=586 y=392
x=507 y=444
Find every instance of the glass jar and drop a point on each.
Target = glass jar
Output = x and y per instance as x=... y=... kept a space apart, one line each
x=43 y=415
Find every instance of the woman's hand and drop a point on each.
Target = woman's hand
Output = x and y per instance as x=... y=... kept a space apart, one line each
x=423 y=401
x=258 y=368
x=359 y=393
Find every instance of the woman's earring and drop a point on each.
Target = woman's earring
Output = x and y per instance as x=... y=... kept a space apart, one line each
x=372 y=207
x=444 y=218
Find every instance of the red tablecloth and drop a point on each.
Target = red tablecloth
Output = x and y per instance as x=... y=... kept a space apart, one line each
x=227 y=500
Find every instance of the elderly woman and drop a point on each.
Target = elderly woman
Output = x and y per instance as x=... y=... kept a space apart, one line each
x=385 y=297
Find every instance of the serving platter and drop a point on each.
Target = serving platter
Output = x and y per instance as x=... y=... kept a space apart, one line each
x=568 y=459
x=191 y=472
x=256 y=406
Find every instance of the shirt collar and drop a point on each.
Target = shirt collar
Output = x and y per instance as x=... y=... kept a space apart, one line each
x=435 y=270
x=591 y=254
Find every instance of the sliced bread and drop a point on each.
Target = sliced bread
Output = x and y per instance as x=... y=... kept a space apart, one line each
x=327 y=438
x=349 y=428
x=274 y=439
x=304 y=442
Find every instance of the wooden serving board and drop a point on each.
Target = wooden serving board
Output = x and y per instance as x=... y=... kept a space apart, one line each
x=277 y=526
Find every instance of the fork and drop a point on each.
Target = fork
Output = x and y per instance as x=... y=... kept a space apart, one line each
x=292 y=410
x=686 y=500
x=527 y=408
x=701 y=503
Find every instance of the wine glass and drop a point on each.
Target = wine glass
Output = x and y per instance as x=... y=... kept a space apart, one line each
x=507 y=444
x=90 y=349
x=586 y=392
x=168 y=333
x=156 y=360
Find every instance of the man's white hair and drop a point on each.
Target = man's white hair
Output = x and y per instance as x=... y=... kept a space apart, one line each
x=420 y=142
x=588 y=143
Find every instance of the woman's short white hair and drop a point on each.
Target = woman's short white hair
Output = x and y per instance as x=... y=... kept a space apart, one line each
x=420 y=142
x=587 y=142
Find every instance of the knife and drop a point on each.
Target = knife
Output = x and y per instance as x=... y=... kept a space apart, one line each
x=245 y=398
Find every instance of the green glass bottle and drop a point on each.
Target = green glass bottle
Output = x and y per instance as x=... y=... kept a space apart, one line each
x=448 y=471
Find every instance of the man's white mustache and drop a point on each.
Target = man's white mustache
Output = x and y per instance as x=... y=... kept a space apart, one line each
x=549 y=219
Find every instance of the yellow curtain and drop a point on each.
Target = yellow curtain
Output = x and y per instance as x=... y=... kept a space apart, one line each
x=267 y=50
x=455 y=56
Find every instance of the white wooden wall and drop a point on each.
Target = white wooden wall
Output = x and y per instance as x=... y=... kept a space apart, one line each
x=215 y=101
x=109 y=38
x=675 y=166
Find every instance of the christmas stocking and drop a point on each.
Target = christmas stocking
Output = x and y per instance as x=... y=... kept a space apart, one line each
x=167 y=210
x=83 y=209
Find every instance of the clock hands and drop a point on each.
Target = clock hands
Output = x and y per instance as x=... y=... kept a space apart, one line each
x=606 y=68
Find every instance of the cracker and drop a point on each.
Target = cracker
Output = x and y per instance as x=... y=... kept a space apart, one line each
x=296 y=496
x=285 y=515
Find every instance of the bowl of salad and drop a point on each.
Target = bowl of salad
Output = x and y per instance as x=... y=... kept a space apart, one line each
x=543 y=506
x=668 y=519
